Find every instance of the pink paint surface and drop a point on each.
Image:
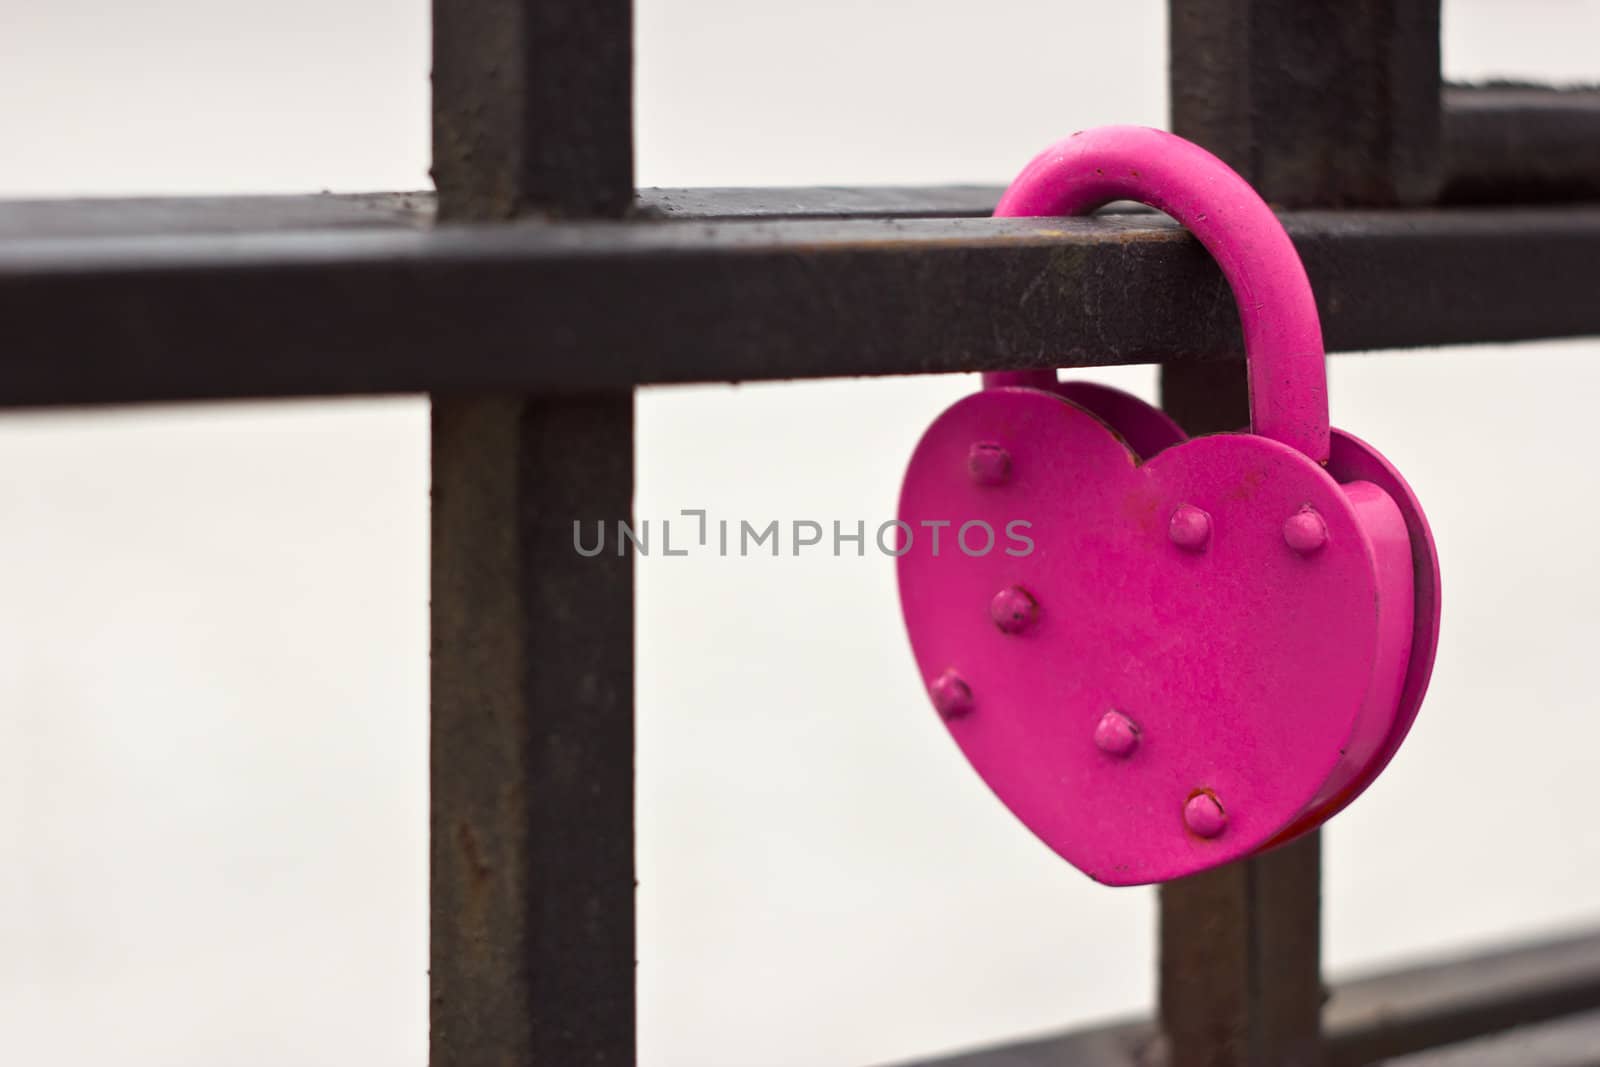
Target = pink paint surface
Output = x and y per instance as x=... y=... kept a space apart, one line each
x=1216 y=643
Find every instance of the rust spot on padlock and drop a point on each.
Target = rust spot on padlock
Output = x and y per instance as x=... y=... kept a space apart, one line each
x=1203 y=814
x=1013 y=609
x=951 y=695
x=1305 y=531
x=1116 y=734
x=1250 y=480
x=1146 y=507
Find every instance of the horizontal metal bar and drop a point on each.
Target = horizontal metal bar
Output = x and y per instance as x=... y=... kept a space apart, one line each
x=1503 y=143
x=1569 y=1042
x=1130 y=1044
x=574 y=306
x=1548 y=991
x=171 y=216
x=1389 y=1015
x=36 y=219
x=48 y=220
x=1520 y=143
x=1499 y=144
x=823 y=201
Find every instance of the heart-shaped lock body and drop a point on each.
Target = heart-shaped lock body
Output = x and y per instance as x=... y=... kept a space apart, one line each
x=1178 y=652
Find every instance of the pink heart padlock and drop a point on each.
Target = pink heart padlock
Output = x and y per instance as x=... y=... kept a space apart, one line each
x=1182 y=651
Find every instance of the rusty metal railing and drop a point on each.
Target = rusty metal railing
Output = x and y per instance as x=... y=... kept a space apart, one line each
x=540 y=288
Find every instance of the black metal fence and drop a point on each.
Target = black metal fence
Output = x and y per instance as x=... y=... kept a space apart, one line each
x=539 y=288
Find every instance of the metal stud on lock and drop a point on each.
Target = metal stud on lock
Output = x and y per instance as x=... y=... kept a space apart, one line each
x=1215 y=643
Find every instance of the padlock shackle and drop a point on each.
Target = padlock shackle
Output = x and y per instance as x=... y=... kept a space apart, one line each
x=1278 y=313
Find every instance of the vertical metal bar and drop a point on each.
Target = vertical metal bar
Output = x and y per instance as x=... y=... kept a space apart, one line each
x=1240 y=979
x=1316 y=105
x=533 y=107
x=532 y=736
x=532 y=866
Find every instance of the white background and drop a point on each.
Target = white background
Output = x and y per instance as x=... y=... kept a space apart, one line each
x=213 y=678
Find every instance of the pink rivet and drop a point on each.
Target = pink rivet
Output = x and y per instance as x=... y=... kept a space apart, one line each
x=989 y=463
x=951 y=695
x=1305 y=531
x=1190 y=528
x=1013 y=609
x=1116 y=734
x=1204 y=815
